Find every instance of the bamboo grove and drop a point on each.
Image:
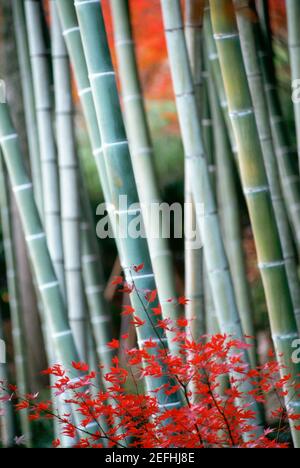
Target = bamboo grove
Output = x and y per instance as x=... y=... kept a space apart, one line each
x=239 y=168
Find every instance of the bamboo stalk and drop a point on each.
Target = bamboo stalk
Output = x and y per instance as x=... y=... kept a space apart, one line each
x=117 y=157
x=20 y=356
x=194 y=285
x=194 y=290
x=28 y=97
x=207 y=129
x=135 y=250
x=58 y=333
x=50 y=181
x=211 y=318
x=230 y=219
x=208 y=140
x=93 y=275
x=206 y=210
x=142 y=157
x=285 y=153
x=91 y=269
x=193 y=27
x=47 y=282
x=262 y=8
x=215 y=257
x=293 y=23
x=69 y=183
x=213 y=57
x=256 y=85
x=256 y=189
x=69 y=23
x=71 y=208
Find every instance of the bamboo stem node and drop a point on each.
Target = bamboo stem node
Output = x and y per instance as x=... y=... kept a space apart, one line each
x=266 y=265
x=40 y=235
x=12 y=136
x=84 y=91
x=115 y=143
x=95 y=76
x=287 y=337
x=241 y=113
x=51 y=285
x=62 y=333
x=70 y=30
x=170 y=405
x=22 y=187
x=257 y=189
x=221 y=36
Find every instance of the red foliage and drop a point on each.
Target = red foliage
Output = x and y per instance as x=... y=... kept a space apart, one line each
x=201 y=398
x=216 y=415
x=150 y=43
x=278 y=17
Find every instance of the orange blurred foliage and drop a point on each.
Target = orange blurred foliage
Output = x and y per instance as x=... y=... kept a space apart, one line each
x=147 y=25
x=150 y=44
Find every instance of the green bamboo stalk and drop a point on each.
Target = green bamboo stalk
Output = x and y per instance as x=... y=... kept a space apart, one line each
x=117 y=157
x=94 y=282
x=6 y=408
x=47 y=282
x=71 y=209
x=256 y=189
x=50 y=181
x=211 y=318
x=193 y=27
x=230 y=219
x=206 y=210
x=256 y=85
x=213 y=57
x=73 y=40
x=194 y=290
x=208 y=140
x=91 y=261
x=69 y=183
x=215 y=257
x=141 y=151
x=28 y=97
x=293 y=22
x=72 y=37
x=58 y=333
x=263 y=12
x=285 y=153
x=20 y=357
x=194 y=286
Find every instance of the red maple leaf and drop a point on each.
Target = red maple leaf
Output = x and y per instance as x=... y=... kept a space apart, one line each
x=56 y=443
x=182 y=322
x=128 y=310
x=183 y=301
x=22 y=405
x=114 y=344
x=117 y=280
x=80 y=366
x=137 y=321
x=151 y=296
x=138 y=268
x=157 y=310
